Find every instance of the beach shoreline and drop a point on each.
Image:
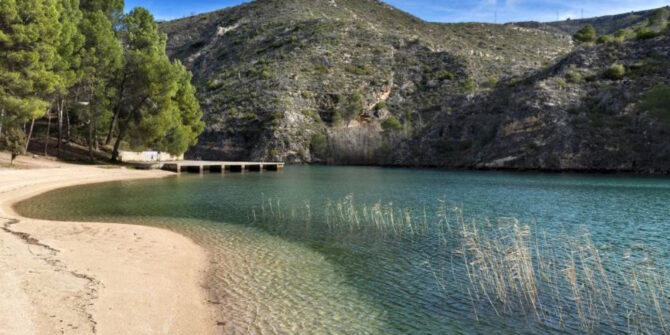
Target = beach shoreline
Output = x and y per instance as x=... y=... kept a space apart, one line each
x=87 y=277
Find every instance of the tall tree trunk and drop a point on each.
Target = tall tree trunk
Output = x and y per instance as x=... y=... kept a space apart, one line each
x=68 y=134
x=91 y=127
x=112 y=125
x=124 y=127
x=61 y=106
x=30 y=133
x=46 y=139
x=117 y=111
x=93 y=130
x=117 y=144
x=90 y=140
x=2 y=116
x=96 y=143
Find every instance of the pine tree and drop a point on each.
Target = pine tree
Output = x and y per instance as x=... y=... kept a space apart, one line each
x=185 y=115
x=68 y=55
x=29 y=35
x=140 y=34
x=102 y=58
x=156 y=104
x=68 y=64
x=112 y=9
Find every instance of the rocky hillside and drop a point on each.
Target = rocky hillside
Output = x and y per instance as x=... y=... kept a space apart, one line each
x=603 y=24
x=360 y=82
x=579 y=114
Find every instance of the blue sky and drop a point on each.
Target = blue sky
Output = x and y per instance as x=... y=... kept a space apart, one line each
x=442 y=10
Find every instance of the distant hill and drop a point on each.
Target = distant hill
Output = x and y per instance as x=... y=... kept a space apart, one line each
x=361 y=82
x=603 y=24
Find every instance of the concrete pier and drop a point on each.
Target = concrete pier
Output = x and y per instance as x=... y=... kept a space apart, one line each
x=218 y=167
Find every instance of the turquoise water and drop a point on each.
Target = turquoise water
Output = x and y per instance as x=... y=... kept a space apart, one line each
x=300 y=251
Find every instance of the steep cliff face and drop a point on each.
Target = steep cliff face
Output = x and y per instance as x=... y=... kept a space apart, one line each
x=359 y=82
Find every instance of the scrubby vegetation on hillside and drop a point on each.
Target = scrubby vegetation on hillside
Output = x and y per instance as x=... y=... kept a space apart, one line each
x=269 y=83
x=379 y=86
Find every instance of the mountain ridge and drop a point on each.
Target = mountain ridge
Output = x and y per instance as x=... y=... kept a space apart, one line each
x=360 y=82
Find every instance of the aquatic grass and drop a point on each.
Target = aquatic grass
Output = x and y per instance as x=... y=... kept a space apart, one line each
x=564 y=284
x=504 y=268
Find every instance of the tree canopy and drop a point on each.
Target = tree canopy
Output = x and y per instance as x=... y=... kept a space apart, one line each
x=29 y=40
x=156 y=105
x=98 y=68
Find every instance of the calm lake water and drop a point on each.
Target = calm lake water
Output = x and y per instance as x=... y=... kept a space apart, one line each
x=354 y=250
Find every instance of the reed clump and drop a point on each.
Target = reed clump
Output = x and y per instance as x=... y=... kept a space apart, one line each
x=504 y=268
x=564 y=281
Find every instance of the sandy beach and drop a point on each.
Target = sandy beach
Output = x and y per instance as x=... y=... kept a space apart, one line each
x=85 y=278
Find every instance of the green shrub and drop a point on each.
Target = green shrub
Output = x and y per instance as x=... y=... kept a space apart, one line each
x=359 y=70
x=469 y=86
x=391 y=124
x=351 y=106
x=321 y=69
x=14 y=141
x=657 y=102
x=645 y=33
x=605 y=39
x=493 y=81
x=214 y=84
x=573 y=76
x=443 y=75
x=615 y=72
x=276 y=118
x=380 y=105
x=560 y=82
x=621 y=35
x=319 y=145
x=585 y=35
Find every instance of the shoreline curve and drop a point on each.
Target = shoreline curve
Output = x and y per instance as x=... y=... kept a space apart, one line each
x=88 y=277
